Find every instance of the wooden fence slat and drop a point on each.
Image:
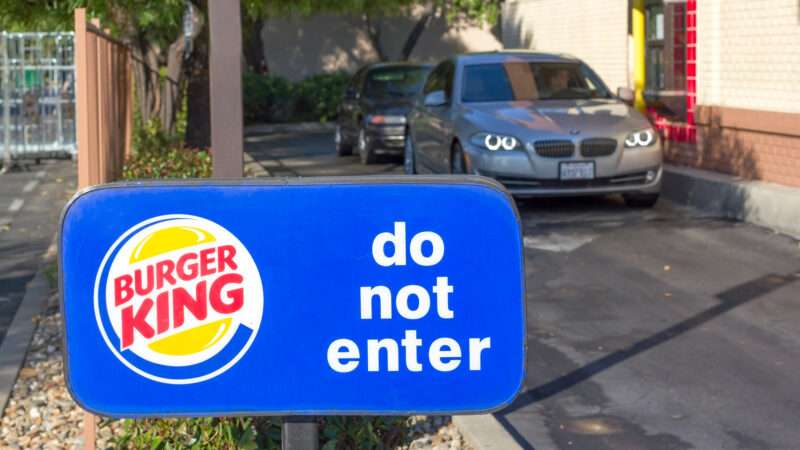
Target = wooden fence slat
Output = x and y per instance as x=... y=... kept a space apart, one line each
x=104 y=93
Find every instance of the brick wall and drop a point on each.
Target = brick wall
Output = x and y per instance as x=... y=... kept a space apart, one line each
x=748 y=90
x=749 y=54
x=594 y=30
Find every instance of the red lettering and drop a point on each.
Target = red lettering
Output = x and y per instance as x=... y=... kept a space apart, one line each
x=183 y=300
x=164 y=272
x=141 y=289
x=122 y=289
x=235 y=295
x=162 y=312
x=136 y=322
x=206 y=261
x=187 y=269
x=226 y=254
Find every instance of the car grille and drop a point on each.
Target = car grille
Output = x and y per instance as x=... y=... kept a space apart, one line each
x=620 y=180
x=554 y=149
x=591 y=148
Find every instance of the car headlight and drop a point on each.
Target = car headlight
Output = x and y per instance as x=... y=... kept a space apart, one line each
x=643 y=138
x=380 y=119
x=494 y=142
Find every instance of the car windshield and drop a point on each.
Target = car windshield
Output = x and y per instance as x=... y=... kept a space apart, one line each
x=511 y=81
x=392 y=82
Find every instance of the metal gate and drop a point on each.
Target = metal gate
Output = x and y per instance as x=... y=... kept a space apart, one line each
x=38 y=95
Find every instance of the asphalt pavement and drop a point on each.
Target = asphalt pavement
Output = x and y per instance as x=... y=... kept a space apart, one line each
x=31 y=198
x=647 y=329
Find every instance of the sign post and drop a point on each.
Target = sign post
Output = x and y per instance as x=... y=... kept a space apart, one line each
x=306 y=297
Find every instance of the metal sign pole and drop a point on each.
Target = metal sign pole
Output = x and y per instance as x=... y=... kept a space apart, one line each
x=299 y=433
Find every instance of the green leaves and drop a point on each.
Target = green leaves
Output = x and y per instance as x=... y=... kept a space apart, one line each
x=196 y=434
x=258 y=433
x=269 y=98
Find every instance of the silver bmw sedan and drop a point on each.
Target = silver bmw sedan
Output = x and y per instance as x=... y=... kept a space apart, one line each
x=540 y=124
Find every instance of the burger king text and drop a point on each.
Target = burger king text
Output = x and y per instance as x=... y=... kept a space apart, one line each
x=444 y=354
x=212 y=269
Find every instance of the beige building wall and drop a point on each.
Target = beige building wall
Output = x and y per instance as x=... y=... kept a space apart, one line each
x=595 y=31
x=297 y=47
x=749 y=54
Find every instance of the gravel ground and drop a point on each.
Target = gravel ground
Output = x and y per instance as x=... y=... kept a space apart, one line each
x=41 y=414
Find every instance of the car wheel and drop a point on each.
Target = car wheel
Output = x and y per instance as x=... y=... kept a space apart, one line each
x=343 y=147
x=409 y=165
x=457 y=163
x=640 y=200
x=364 y=149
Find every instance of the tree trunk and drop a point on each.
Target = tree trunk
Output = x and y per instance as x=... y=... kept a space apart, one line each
x=253 y=45
x=414 y=35
x=373 y=27
x=198 y=126
x=171 y=86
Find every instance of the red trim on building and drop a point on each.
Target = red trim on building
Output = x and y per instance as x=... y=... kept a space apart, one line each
x=684 y=131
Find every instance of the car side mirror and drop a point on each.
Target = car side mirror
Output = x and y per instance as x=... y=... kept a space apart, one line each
x=435 y=98
x=627 y=95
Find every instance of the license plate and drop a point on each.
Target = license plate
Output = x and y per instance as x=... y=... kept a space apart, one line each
x=576 y=170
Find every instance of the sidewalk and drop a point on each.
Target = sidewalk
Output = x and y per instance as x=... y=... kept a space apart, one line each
x=766 y=204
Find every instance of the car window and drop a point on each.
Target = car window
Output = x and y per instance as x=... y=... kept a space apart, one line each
x=441 y=79
x=449 y=72
x=392 y=82
x=530 y=81
x=434 y=81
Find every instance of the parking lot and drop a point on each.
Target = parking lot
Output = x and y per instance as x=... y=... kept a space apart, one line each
x=660 y=328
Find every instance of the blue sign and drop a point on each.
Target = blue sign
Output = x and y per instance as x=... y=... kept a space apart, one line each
x=348 y=296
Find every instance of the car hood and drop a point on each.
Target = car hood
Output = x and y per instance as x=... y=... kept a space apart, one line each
x=600 y=117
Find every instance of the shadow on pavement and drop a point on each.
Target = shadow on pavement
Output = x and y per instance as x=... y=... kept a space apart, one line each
x=729 y=299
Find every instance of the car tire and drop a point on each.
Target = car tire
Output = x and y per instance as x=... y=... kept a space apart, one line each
x=409 y=160
x=640 y=200
x=365 y=150
x=457 y=162
x=343 y=147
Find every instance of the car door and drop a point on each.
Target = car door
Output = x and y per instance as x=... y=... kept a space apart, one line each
x=422 y=132
x=441 y=123
x=349 y=109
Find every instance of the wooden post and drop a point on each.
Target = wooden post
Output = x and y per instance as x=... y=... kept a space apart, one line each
x=81 y=98
x=225 y=42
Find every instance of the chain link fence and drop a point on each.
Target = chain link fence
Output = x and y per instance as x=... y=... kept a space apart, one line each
x=38 y=96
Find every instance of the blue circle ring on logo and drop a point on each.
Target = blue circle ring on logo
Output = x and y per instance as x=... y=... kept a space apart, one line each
x=205 y=370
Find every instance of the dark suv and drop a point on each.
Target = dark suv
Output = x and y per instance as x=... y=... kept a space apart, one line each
x=372 y=116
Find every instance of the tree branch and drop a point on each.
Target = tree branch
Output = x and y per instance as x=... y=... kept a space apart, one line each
x=415 y=33
x=374 y=34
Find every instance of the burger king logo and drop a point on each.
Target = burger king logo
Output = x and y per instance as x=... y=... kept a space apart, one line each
x=178 y=299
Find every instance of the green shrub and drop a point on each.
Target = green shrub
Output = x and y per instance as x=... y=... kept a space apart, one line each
x=266 y=98
x=174 y=162
x=196 y=434
x=270 y=99
x=363 y=433
x=318 y=97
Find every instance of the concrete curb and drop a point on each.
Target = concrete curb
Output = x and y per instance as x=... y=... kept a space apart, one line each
x=269 y=128
x=484 y=432
x=18 y=338
x=766 y=204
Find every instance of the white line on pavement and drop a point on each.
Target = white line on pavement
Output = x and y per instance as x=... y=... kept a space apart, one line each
x=30 y=185
x=557 y=242
x=16 y=205
x=40 y=174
